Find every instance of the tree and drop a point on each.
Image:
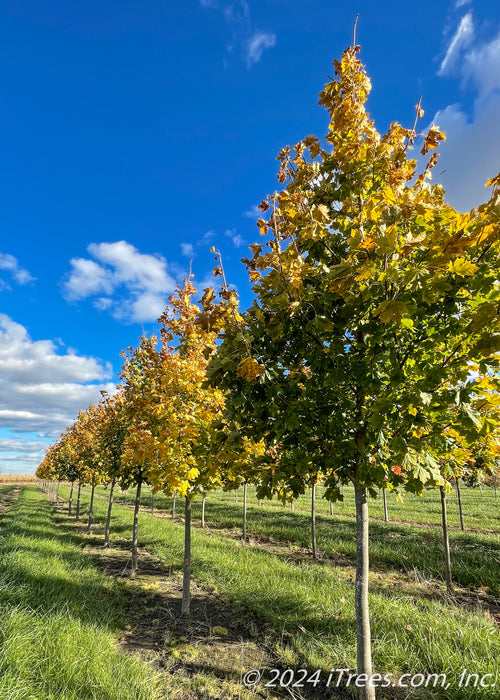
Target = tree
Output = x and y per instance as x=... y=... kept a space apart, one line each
x=137 y=456
x=86 y=445
x=374 y=299
x=181 y=433
x=112 y=434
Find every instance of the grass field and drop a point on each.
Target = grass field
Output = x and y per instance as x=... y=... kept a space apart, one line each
x=306 y=608
x=59 y=618
x=409 y=548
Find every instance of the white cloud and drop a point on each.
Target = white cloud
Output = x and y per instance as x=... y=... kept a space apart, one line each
x=256 y=45
x=20 y=456
x=187 y=249
x=461 y=39
x=87 y=278
x=42 y=389
x=131 y=285
x=236 y=238
x=11 y=265
x=253 y=213
x=252 y=43
x=461 y=3
x=237 y=11
x=470 y=154
x=481 y=68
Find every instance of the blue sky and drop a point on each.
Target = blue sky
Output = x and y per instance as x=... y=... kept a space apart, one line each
x=135 y=135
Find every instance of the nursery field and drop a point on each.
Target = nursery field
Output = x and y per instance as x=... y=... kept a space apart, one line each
x=74 y=625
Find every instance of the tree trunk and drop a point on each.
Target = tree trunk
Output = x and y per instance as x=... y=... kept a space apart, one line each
x=57 y=495
x=343 y=502
x=292 y=506
x=363 y=635
x=446 y=540
x=313 y=520
x=77 y=515
x=244 y=512
x=186 y=580
x=108 y=516
x=203 y=511
x=495 y=486
x=70 y=502
x=91 y=508
x=459 y=497
x=173 y=505
x=386 y=514
x=135 y=529
x=152 y=503
x=236 y=495
x=331 y=508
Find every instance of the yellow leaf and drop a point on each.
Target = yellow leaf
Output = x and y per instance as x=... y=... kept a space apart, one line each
x=461 y=266
x=493 y=181
x=389 y=195
x=412 y=410
x=249 y=369
x=367 y=244
x=432 y=139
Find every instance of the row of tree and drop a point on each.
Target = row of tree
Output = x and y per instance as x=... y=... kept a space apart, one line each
x=370 y=354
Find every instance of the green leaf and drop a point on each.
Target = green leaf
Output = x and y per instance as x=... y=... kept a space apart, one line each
x=391 y=310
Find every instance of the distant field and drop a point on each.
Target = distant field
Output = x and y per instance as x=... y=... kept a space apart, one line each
x=18 y=479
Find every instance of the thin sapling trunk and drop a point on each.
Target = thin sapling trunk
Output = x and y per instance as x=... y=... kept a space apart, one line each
x=244 y=512
x=459 y=497
x=446 y=541
x=386 y=513
x=363 y=634
x=135 y=529
x=186 y=579
x=108 y=516
x=91 y=508
x=78 y=494
x=203 y=511
x=70 y=502
x=313 y=520
x=173 y=505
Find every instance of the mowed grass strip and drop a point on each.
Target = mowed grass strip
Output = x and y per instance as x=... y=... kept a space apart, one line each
x=59 y=618
x=409 y=548
x=310 y=607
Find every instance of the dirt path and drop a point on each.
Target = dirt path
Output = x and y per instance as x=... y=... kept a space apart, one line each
x=7 y=499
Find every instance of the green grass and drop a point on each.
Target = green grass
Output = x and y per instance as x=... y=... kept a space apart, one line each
x=310 y=606
x=395 y=546
x=59 y=618
x=481 y=509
